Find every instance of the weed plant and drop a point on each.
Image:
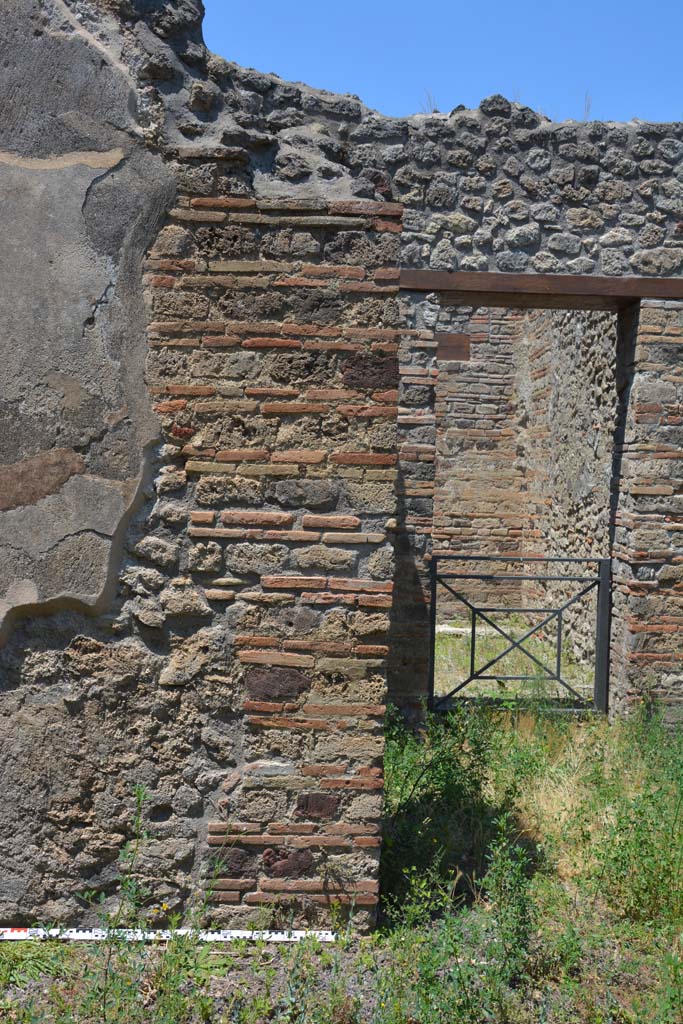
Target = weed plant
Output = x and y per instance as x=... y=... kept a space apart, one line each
x=532 y=873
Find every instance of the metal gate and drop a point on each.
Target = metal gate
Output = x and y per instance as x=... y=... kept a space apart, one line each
x=583 y=576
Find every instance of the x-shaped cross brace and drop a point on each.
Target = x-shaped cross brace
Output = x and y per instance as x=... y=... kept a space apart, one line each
x=556 y=613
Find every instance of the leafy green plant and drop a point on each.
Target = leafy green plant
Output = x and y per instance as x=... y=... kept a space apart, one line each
x=639 y=849
x=671 y=996
x=506 y=885
x=437 y=816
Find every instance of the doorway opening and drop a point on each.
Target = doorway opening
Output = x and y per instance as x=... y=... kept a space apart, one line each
x=519 y=574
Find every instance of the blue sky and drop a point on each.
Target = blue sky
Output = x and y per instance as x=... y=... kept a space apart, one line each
x=617 y=58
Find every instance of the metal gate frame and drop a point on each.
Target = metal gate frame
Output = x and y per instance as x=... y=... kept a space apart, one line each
x=600 y=581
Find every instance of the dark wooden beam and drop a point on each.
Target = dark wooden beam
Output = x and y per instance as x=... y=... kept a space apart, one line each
x=540 y=291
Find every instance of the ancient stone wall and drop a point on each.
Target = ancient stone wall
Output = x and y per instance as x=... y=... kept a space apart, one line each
x=199 y=598
x=566 y=369
x=274 y=365
x=647 y=653
x=567 y=383
x=480 y=505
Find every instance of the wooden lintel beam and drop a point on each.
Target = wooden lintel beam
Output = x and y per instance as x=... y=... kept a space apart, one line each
x=541 y=291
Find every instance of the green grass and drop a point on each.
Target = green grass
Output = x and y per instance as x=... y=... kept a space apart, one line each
x=532 y=873
x=453 y=661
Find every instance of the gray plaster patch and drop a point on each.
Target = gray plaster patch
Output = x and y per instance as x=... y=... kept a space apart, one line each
x=82 y=199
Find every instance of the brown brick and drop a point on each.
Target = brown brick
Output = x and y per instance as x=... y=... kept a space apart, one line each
x=224 y=828
x=225 y=897
x=366 y=207
x=272 y=392
x=330 y=270
x=353 y=538
x=291 y=829
x=218 y=594
x=369 y=288
x=294 y=582
x=320 y=646
x=279 y=722
x=319 y=771
x=271 y=327
x=331 y=394
x=246 y=266
x=262 y=706
x=190 y=452
x=249 y=518
x=173 y=265
x=227 y=405
x=374 y=601
x=256 y=597
x=331 y=522
x=174 y=405
x=298 y=885
x=160 y=281
x=194 y=466
x=362 y=586
x=234 y=884
x=352 y=783
x=227 y=533
x=242 y=455
x=293 y=408
x=300 y=455
x=198 y=216
x=250 y=640
x=326 y=597
x=302 y=282
x=276 y=658
x=344 y=709
x=331 y=346
x=291 y=536
x=347 y=898
x=224 y=203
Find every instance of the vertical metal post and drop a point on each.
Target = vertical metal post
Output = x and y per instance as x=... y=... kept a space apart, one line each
x=602 y=637
x=558 y=649
x=432 y=629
